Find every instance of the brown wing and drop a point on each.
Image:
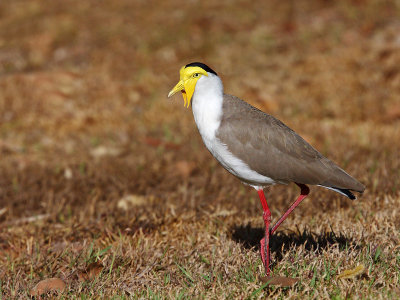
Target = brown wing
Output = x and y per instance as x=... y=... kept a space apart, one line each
x=272 y=149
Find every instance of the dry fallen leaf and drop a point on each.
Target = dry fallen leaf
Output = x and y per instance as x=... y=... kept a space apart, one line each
x=3 y=211
x=28 y=219
x=346 y=274
x=61 y=246
x=48 y=285
x=101 y=151
x=184 y=168
x=157 y=143
x=280 y=280
x=224 y=213
x=131 y=200
x=392 y=113
x=92 y=271
x=68 y=173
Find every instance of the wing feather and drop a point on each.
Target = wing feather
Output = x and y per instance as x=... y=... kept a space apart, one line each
x=272 y=149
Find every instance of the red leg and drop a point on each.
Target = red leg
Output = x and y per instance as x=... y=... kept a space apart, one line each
x=303 y=194
x=265 y=241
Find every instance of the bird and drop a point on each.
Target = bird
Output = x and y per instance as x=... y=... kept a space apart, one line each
x=256 y=147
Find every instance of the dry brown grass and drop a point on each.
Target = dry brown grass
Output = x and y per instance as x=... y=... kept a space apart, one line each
x=84 y=123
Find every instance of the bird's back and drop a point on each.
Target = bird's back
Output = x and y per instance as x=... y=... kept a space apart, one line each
x=274 y=150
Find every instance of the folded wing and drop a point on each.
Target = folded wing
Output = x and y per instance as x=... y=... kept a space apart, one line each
x=274 y=150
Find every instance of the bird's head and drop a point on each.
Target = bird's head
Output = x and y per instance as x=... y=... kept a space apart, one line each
x=189 y=75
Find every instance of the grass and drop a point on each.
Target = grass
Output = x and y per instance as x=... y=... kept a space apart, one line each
x=97 y=166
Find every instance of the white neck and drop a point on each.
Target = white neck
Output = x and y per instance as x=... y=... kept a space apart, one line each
x=207 y=105
x=207 y=111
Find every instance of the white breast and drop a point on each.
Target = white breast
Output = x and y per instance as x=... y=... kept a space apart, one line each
x=207 y=111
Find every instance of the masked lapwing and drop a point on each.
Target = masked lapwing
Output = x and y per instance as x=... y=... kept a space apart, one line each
x=256 y=147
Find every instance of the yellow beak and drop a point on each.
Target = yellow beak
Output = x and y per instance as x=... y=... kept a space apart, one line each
x=187 y=83
x=179 y=87
x=186 y=88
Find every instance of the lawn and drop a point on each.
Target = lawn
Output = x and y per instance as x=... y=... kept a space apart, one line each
x=106 y=185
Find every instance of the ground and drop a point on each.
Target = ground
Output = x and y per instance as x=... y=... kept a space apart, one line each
x=106 y=185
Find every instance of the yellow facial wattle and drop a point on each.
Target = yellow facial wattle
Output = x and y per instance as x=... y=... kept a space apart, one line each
x=187 y=83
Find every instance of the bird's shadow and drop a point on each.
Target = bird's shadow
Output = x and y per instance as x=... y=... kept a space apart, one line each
x=282 y=242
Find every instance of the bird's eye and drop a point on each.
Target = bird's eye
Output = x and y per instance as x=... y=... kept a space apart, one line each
x=196 y=75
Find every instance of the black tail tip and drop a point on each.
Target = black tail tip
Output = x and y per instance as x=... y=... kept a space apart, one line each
x=349 y=194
